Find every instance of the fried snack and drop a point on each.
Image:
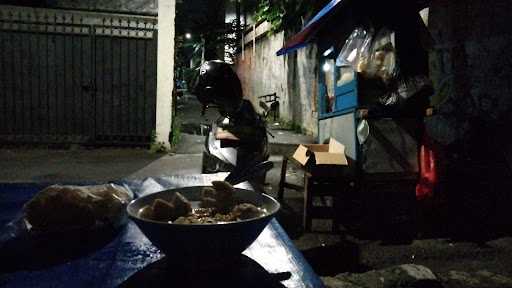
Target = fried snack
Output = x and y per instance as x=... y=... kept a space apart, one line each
x=146 y=212
x=207 y=202
x=224 y=190
x=182 y=205
x=208 y=192
x=219 y=197
x=108 y=202
x=60 y=207
x=246 y=211
x=64 y=207
x=163 y=210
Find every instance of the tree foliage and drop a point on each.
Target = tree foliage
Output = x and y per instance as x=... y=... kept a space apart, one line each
x=286 y=14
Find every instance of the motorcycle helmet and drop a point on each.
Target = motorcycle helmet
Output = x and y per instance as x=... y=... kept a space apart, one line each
x=219 y=85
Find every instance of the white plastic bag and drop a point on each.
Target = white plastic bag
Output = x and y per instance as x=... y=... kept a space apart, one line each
x=60 y=208
x=67 y=207
x=356 y=51
x=369 y=53
x=61 y=223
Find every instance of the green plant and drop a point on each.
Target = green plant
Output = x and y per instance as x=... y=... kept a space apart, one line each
x=155 y=146
x=271 y=13
x=176 y=132
x=158 y=147
x=286 y=14
x=190 y=76
x=292 y=126
x=153 y=136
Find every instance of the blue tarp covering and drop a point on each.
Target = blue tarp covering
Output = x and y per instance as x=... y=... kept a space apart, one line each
x=333 y=24
x=302 y=38
x=126 y=258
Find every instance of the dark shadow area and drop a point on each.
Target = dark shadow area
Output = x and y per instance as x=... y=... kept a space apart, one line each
x=473 y=200
x=426 y=284
x=472 y=213
x=240 y=272
x=479 y=213
x=465 y=208
x=195 y=128
x=291 y=220
x=344 y=256
x=40 y=251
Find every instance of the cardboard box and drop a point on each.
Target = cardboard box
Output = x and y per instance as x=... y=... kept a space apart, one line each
x=327 y=156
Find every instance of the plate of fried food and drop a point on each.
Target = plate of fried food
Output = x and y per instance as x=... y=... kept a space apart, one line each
x=63 y=222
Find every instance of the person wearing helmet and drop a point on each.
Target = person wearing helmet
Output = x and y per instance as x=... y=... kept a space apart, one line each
x=218 y=85
x=240 y=126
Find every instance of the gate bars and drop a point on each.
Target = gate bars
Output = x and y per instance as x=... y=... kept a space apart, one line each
x=76 y=77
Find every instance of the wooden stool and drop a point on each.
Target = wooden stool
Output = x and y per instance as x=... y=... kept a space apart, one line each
x=283 y=184
x=316 y=186
x=321 y=182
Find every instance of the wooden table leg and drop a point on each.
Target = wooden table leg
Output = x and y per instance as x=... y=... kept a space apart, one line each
x=308 y=202
x=282 y=181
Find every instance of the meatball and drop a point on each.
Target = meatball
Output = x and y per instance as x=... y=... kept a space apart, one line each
x=224 y=190
x=207 y=202
x=146 y=212
x=246 y=211
x=182 y=205
x=219 y=197
x=208 y=192
x=163 y=211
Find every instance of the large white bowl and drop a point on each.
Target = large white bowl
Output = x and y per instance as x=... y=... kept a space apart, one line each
x=191 y=244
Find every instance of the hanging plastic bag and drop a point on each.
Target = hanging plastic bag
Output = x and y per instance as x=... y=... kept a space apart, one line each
x=369 y=53
x=363 y=131
x=382 y=62
x=356 y=51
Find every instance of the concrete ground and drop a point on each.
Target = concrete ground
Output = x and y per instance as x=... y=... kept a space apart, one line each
x=328 y=253
x=192 y=141
x=90 y=165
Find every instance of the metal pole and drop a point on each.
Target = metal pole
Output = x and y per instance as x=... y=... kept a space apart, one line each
x=203 y=43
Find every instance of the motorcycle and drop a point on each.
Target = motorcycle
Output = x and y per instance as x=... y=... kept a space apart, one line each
x=237 y=140
x=234 y=143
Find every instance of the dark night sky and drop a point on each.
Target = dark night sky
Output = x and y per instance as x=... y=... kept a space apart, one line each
x=198 y=16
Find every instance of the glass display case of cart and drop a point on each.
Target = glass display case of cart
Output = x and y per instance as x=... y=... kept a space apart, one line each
x=338 y=87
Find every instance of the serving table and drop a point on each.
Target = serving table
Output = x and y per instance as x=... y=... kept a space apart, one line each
x=128 y=259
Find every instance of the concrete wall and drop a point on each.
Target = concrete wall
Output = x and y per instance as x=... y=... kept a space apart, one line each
x=165 y=69
x=147 y=7
x=292 y=77
x=471 y=67
x=121 y=6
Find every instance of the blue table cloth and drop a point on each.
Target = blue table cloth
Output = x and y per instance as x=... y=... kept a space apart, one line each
x=128 y=259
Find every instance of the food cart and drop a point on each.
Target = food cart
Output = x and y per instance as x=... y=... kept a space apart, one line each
x=372 y=97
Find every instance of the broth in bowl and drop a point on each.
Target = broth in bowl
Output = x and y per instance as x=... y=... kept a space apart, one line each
x=217 y=205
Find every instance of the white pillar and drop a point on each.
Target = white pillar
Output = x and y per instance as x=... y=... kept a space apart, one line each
x=165 y=69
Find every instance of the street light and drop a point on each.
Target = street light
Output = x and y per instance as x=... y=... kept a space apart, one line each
x=326 y=67
x=188 y=36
